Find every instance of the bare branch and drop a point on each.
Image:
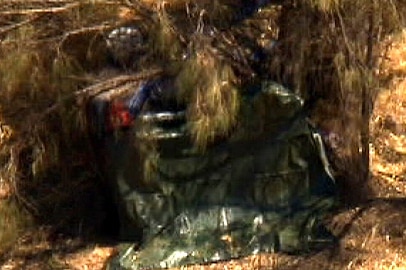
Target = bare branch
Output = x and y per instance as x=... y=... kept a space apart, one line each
x=40 y=10
x=9 y=28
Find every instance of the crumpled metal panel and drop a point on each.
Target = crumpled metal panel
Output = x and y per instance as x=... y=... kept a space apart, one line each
x=264 y=189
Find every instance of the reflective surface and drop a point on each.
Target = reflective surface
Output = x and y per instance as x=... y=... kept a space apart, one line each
x=266 y=188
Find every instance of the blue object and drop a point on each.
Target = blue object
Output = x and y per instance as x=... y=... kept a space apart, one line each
x=253 y=7
x=138 y=100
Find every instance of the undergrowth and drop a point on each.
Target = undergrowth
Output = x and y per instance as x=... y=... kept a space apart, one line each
x=325 y=50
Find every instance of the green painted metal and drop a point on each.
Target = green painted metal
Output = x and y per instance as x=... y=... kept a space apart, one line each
x=265 y=188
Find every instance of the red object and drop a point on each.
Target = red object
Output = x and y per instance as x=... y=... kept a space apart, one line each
x=119 y=116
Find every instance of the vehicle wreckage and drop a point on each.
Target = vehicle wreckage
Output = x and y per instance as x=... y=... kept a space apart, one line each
x=264 y=186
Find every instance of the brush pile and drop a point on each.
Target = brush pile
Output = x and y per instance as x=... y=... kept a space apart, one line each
x=55 y=54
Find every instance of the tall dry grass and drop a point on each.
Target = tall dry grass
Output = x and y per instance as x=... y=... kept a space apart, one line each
x=13 y=222
x=47 y=49
x=209 y=87
x=329 y=53
x=326 y=50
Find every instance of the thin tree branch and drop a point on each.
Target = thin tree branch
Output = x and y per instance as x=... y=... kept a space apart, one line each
x=40 y=10
x=366 y=95
x=9 y=28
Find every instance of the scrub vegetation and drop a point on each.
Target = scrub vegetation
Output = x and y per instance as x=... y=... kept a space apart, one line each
x=345 y=58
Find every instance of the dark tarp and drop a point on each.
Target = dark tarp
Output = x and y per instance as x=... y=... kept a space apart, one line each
x=266 y=188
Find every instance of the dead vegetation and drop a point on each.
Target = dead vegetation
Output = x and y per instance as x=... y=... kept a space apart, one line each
x=344 y=53
x=40 y=71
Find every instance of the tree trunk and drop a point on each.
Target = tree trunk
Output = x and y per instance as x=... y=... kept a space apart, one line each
x=366 y=97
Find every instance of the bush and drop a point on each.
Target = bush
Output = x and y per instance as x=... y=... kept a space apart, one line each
x=326 y=50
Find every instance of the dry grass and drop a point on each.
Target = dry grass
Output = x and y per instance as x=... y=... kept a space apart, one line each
x=375 y=240
x=41 y=125
x=165 y=40
x=321 y=51
x=387 y=121
x=208 y=86
x=393 y=64
x=13 y=222
x=325 y=5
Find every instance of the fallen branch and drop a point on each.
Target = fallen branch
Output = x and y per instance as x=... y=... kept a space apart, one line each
x=60 y=38
x=25 y=2
x=40 y=10
x=115 y=82
x=122 y=82
x=9 y=28
x=97 y=28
